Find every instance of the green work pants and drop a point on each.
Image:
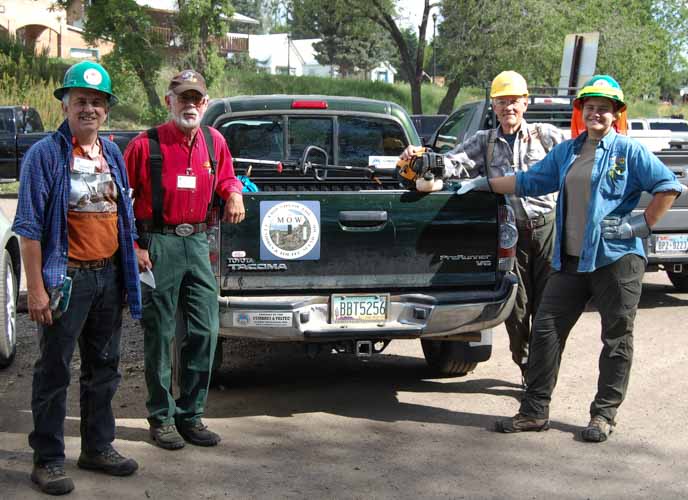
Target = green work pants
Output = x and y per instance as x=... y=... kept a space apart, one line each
x=184 y=279
x=533 y=267
x=615 y=291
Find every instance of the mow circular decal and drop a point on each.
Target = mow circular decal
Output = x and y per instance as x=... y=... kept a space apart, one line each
x=290 y=230
x=93 y=77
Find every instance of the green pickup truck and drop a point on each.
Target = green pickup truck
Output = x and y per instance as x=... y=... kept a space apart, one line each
x=335 y=254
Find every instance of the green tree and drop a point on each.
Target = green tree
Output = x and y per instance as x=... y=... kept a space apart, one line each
x=201 y=23
x=136 y=44
x=383 y=13
x=348 y=41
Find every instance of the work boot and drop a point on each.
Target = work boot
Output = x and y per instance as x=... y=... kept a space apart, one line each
x=108 y=461
x=522 y=423
x=51 y=479
x=196 y=432
x=166 y=436
x=598 y=430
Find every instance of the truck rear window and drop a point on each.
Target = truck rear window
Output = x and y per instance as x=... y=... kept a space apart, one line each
x=361 y=138
x=358 y=138
x=256 y=138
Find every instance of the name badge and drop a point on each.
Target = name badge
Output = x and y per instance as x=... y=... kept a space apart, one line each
x=186 y=182
x=84 y=166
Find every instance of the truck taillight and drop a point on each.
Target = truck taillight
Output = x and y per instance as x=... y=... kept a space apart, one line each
x=508 y=237
x=308 y=104
x=213 y=234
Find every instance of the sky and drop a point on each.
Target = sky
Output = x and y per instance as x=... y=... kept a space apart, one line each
x=411 y=12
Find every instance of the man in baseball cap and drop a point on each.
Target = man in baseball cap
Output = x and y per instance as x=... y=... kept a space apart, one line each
x=172 y=191
x=188 y=80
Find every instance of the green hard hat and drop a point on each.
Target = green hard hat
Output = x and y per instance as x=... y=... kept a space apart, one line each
x=87 y=75
x=601 y=86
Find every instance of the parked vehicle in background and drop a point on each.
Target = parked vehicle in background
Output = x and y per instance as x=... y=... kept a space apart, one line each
x=10 y=273
x=675 y=129
x=336 y=255
x=426 y=125
x=20 y=128
x=667 y=246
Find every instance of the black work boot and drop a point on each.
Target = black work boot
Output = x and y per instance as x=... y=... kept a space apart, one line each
x=166 y=436
x=108 y=461
x=197 y=433
x=522 y=423
x=51 y=479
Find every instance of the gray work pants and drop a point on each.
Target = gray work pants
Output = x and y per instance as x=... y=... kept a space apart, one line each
x=533 y=266
x=615 y=291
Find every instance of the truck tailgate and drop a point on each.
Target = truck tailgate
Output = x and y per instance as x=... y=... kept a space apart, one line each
x=386 y=239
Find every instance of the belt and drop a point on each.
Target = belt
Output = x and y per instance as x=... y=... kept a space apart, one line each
x=178 y=229
x=536 y=222
x=89 y=264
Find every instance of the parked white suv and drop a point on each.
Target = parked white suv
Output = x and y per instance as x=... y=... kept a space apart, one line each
x=677 y=129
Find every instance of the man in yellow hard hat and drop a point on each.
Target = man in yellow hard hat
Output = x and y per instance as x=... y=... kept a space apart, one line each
x=511 y=147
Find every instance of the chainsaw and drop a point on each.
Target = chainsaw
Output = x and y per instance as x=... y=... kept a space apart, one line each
x=423 y=171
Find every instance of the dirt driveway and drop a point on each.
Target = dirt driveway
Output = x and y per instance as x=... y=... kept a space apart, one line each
x=338 y=427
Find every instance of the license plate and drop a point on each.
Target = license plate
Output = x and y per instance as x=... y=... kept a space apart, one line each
x=671 y=243
x=359 y=308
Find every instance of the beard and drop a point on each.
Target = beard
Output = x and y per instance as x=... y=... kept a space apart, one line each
x=186 y=122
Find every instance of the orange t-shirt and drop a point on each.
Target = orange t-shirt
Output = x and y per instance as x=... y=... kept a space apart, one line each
x=92 y=213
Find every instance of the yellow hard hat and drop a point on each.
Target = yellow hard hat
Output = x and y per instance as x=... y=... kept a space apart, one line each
x=508 y=83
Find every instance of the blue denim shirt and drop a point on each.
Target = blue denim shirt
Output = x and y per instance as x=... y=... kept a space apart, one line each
x=44 y=200
x=623 y=169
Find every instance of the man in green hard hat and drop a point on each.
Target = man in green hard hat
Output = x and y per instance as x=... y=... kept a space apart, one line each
x=75 y=219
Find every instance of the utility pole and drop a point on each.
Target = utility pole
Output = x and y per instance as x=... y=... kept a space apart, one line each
x=289 y=54
x=434 y=57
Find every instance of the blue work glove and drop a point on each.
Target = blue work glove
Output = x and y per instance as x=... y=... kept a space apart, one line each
x=476 y=184
x=624 y=228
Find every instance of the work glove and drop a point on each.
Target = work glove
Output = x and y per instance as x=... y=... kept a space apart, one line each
x=457 y=165
x=624 y=228
x=476 y=184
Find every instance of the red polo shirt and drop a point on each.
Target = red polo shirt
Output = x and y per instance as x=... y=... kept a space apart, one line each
x=179 y=159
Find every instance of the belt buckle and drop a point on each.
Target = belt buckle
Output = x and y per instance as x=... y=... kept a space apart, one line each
x=183 y=229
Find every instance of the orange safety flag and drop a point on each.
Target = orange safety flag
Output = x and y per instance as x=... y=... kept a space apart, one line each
x=578 y=126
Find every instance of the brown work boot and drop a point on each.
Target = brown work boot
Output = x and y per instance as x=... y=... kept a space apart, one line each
x=108 y=461
x=598 y=429
x=166 y=437
x=51 y=479
x=197 y=433
x=522 y=423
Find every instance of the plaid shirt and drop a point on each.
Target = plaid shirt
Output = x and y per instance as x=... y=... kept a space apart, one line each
x=533 y=142
x=44 y=186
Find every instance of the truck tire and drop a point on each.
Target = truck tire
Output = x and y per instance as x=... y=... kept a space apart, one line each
x=448 y=357
x=8 y=310
x=679 y=280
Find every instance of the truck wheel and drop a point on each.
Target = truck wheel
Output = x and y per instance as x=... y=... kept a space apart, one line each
x=448 y=357
x=8 y=310
x=679 y=280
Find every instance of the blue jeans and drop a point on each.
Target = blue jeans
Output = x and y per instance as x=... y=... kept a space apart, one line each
x=94 y=320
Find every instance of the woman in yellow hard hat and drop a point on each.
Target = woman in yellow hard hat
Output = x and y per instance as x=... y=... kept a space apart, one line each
x=599 y=252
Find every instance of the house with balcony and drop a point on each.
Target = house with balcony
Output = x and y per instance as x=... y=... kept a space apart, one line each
x=42 y=25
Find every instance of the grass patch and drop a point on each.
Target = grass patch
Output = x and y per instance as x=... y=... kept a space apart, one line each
x=9 y=187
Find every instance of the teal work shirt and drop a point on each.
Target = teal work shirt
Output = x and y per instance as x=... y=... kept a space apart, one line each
x=623 y=169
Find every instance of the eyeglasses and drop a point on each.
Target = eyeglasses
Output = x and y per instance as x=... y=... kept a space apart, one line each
x=508 y=102
x=191 y=98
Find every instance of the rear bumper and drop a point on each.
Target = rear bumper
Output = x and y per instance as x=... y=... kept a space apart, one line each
x=439 y=315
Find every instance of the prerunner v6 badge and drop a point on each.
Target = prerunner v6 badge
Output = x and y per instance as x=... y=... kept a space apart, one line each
x=289 y=230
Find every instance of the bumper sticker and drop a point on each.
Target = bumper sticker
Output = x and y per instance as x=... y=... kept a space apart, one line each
x=263 y=319
x=289 y=230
